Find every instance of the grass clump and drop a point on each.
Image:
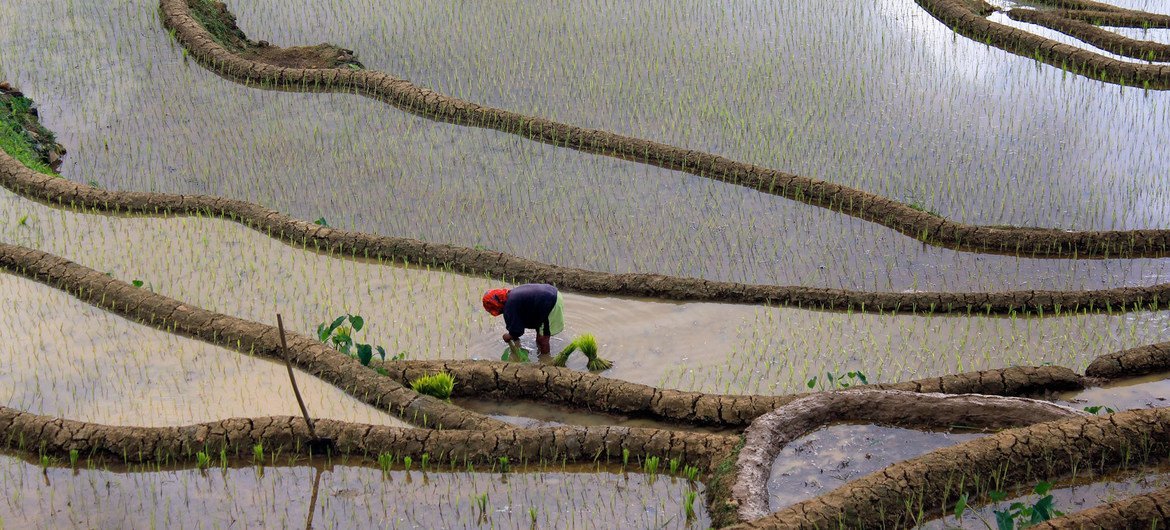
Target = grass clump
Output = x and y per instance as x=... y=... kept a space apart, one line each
x=437 y=385
x=219 y=22
x=588 y=345
x=18 y=125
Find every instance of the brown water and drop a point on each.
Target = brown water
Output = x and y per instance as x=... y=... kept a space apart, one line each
x=225 y=267
x=1138 y=393
x=62 y=357
x=828 y=458
x=530 y=414
x=338 y=496
x=1040 y=148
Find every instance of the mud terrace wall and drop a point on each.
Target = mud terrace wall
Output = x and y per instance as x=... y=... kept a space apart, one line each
x=769 y=433
x=927 y=227
x=306 y=353
x=53 y=436
x=509 y=381
x=1101 y=38
x=968 y=20
x=63 y=192
x=926 y=486
x=1151 y=510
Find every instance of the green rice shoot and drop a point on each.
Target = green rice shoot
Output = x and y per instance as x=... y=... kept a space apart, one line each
x=587 y=344
x=437 y=385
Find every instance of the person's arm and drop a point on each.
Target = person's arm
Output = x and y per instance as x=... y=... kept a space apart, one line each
x=514 y=322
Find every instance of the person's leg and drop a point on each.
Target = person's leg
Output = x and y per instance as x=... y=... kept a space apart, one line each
x=543 y=345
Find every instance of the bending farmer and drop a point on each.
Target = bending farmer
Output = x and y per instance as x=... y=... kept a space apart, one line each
x=530 y=306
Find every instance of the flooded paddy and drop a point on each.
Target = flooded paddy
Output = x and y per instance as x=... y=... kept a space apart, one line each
x=338 y=495
x=876 y=95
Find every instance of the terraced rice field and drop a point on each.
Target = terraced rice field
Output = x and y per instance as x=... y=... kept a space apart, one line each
x=857 y=264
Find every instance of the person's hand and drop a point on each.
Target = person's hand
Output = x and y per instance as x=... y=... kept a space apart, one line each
x=507 y=337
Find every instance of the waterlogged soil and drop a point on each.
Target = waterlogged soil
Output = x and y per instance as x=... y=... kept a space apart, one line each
x=360 y=164
x=531 y=414
x=65 y=358
x=225 y=267
x=340 y=495
x=830 y=457
x=1073 y=496
x=1138 y=393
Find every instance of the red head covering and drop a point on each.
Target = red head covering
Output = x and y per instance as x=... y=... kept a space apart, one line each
x=493 y=301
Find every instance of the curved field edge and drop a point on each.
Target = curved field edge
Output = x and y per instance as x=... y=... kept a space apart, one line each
x=966 y=17
x=923 y=226
x=771 y=432
x=925 y=487
x=1150 y=510
x=236 y=437
x=63 y=192
x=310 y=355
x=509 y=380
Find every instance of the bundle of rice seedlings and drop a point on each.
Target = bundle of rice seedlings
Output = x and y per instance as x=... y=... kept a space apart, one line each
x=438 y=385
x=588 y=345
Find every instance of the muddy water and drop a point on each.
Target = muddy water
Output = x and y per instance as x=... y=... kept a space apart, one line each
x=1138 y=393
x=1082 y=495
x=225 y=267
x=529 y=414
x=135 y=115
x=64 y=358
x=338 y=496
x=828 y=458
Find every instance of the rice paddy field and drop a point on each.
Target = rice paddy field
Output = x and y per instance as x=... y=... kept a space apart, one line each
x=879 y=96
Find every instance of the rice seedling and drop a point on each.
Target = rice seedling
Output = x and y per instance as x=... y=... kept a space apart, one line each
x=650 y=465
x=202 y=460
x=845 y=112
x=439 y=385
x=587 y=345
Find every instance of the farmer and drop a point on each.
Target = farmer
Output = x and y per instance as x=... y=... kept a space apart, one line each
x=530 y=306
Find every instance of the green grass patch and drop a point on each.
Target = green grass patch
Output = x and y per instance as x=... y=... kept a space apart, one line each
x=219 y=23
x=15 y=119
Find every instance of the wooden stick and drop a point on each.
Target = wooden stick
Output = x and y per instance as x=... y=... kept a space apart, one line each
x=288 y=364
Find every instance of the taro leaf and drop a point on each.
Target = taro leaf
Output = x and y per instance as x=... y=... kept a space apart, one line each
x=961 y=506
x=357 y=322
x=136 y=283
x=1004 y=520
x=365 y=353
x=332 y=327
x=382 y=352
x=861 y=376
x=1043 y=510
x=321 y=222
x=812 y=382
x=1042 y=488
x=997 y=495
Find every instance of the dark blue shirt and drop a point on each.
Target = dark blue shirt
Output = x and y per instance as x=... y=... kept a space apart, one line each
x=528 y=307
